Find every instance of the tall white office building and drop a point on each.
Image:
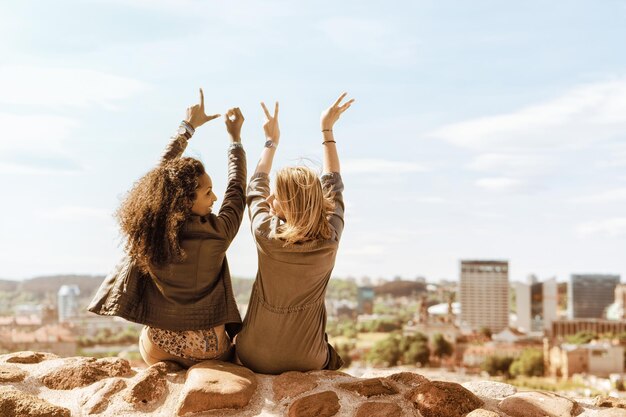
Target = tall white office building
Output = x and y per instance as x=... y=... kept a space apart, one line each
x=536 y=304
x=484 y=294
x=68 y=302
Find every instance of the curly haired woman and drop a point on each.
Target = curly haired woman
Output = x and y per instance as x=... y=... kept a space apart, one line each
x=175 y=279
x=297 y=229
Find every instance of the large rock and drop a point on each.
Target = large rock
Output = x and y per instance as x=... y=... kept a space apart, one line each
x=483 y=413
x=15 y=403
x=612 y=412
x=606 y=401
x=96 y=398
x=538 y=404
x=490 y=389
x=28 y=357
x=376 y=409
x=80 y=372
x=370 y=387
x=323 y=404
x=443 y=399
x=149 y=387
x=408 y=379
x=292 y=384
x=212 y=385
x=10 y=373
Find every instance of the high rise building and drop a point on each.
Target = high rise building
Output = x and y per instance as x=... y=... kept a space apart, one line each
x=536 y=304
x=484 y=294
x=68 y=302
x=588 y=295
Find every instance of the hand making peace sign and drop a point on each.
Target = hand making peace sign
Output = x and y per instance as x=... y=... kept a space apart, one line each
x=331 y=115
x=272 y=131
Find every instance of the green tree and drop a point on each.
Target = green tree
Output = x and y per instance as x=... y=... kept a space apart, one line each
x=441 y=347
x=581 y=338
x=485 y=331
x=386 y=352
x=414 y=349
x=497 y=365
x=344 y=351
x=530 y=363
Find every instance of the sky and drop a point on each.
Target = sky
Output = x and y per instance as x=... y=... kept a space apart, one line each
x=481 y=130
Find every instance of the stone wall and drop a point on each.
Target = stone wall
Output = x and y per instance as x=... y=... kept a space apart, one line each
x=44 y=385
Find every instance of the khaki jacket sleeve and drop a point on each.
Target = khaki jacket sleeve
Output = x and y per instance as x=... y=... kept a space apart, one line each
x=258 y=208
x=332 y=181
x=231 y=212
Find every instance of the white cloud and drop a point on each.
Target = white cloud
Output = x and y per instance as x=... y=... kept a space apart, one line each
x=584 y=115
x=379 y=166
x=64 y=87
x=499 y=184
x=512 y=164
x=34 y=132
x=608 y=227
x=77 y=213
x=380 y=42
x=609 y=196
x=16 y=168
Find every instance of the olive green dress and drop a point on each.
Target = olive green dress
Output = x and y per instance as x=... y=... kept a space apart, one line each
x=284 y=327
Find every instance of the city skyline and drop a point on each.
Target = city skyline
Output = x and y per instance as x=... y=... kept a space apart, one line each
x=479 y=131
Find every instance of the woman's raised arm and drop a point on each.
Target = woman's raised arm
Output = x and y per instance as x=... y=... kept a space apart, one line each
x=195 y=118
x=327 y=121
x=272 y=136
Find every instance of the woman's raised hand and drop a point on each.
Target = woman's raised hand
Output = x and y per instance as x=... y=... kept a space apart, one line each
x=332 y=114
x=234 y=120
x=270 y=127
x=196 y=116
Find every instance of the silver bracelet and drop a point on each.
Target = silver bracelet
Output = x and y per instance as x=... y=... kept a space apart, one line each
x=234 y=145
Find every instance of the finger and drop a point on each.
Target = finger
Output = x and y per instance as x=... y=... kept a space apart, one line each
x=201 y=98
x=213 y=116
x=339 y=99
x=346 y=106
x=267 y=113
x=276 y=110
x=238 y=112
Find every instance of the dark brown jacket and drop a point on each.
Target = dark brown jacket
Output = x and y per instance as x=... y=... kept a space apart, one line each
x=196 y=293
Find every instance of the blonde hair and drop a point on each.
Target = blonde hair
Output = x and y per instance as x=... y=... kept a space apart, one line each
x=305 y=204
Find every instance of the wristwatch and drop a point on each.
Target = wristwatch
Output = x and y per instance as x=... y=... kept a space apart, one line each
x=270 y=144
x=185 y=129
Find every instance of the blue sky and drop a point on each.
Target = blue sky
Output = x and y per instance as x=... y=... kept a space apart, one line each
x=482 y=129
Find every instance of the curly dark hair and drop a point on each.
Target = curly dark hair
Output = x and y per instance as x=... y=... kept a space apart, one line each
x=154 y=211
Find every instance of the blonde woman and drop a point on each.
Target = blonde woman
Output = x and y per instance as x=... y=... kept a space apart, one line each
x=297 y=229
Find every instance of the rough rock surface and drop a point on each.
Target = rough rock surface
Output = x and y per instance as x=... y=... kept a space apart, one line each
x=292 y=384
x=538 y=404
x=482 y=413
x=10 y=373
x=323 y=404
x=299 y=394
x=379 y=409
x=80 y=372
x=443 y=399
x=606 y=401
x=28 y=357
x=97 y=396
x=212 y=385
x=370 y=387
x=491 y=389
x=15 y=403
x=149 y=387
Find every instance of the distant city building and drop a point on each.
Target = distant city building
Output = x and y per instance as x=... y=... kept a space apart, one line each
x=617 y=310
x=536 y=304
x=365 y=300
x=588 y=295
x=599 y=359
x=484 y=294
x=68 y=302
x=563 y=328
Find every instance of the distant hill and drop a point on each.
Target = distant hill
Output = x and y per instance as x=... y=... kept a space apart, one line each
x=400 y=288
x=87 y=284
